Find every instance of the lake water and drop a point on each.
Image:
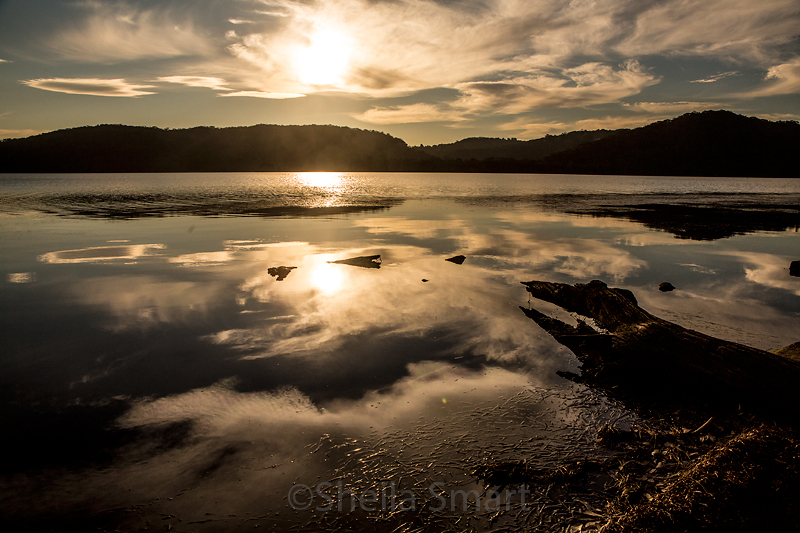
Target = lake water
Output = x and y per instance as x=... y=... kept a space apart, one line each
x=155 y=373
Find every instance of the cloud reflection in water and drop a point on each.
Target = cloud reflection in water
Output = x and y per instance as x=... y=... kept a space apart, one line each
x=340 y=358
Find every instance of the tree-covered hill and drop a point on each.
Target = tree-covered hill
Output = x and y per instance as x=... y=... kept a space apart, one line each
x=114 y=148
x=482 y=148
x=711 y=143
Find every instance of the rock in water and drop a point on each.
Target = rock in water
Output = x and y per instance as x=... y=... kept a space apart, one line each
x=280 y=272
x=666 y=287
x=794 y=269
x=641 y=356
x=364 y=261
x=457 y=259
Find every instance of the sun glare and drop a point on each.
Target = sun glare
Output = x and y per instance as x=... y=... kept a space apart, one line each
x=327 y=277
x=324 y=180
x=325 y=59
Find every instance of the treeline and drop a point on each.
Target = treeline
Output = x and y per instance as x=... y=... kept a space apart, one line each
x=711 y=143
x=113 y=148
x=485 y=148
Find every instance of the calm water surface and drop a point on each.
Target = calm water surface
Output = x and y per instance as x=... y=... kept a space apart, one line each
x=155 y=372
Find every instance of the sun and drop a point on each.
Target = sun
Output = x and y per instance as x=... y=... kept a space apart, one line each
x=324 y=61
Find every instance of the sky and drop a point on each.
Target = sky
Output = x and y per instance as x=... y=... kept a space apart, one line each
x=427 y=71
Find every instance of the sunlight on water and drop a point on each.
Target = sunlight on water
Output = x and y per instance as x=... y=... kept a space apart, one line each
x=324 y=180
x=327 y=277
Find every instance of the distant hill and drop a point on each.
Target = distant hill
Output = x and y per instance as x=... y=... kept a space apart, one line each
x=482 y=148
x=711 y=143
x=111 y=148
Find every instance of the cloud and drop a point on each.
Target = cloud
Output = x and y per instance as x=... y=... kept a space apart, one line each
x=636 y=115
x=142 y=302
x=264 y=94
x=102 y=254
x=780 y=79
x=121 y=32
x=779 y=116
x=203 y=259
x=769 y=271
x=588 y=84
x=91 y=86
x=16 y=134
x=208 y=82
x=585 y=85
x=669 y=109
x=272 y=13
x=742 y=30
x=716 y=77
x=414 y=113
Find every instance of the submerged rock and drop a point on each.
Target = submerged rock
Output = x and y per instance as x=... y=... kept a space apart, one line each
x=280 y=272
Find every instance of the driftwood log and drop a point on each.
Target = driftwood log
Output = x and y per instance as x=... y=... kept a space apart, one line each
x=645 y=357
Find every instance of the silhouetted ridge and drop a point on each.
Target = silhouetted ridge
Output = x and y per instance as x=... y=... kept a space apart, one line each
x=711 y=143
x=483 y=148
x=110 y=148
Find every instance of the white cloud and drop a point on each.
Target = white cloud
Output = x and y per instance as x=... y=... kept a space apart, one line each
x=716 y=77
x=779 y=116
x=414 y=113
x=587 y=84
x=91 y=86
x=742 y=30
x=264 y=94
x=769 y=270
x=102 y=254
x=669 y=109
x=142 y=302
x=121 y=32
x=781 y=79
x=203 y=259
x=208 y=82
x=645 y=113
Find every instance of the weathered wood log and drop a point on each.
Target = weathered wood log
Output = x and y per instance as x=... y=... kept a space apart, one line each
x=642 y=355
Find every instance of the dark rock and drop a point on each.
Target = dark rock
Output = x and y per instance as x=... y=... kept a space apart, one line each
x=794 y=269
x=424 y=281
x=666 y=287
x=280 y=272
x=364 y=261
x=790 y=352
x=640 y=356
x=459 y=259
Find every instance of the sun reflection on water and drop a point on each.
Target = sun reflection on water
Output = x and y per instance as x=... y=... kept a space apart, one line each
x=327 y=277
x=323 y=180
